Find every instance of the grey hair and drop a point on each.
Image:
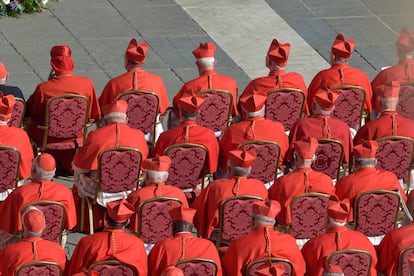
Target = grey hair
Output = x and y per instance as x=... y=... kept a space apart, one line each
x=260 y=112
x=38 y=173
x=156 y=176
x=206 y=61
x=239 y=171
x=365 y=162
x=30 y=233
x=188 y=116
x=333 y=222
x=321 y=111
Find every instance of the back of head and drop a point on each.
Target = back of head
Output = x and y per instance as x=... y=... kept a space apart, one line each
x=6 y=107
x=43 y=167
x=240 y=162
x=136 y=53
x=337 y=211
x=119 y=212
x=278 y=53
x=156 y=169
x=182 y=218
x=342 y=48
x=253 y=103
x=61 y=59
x=204 y=56
x=324 y=101
x=388 y=95
x=190 y=104
x=33 y=221
x=364 y=154
x=115 y=112
x=305 y=149
x=264 y=212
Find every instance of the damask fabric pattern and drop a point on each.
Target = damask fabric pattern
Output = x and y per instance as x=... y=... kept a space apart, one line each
x=376 y=213
x=39 y=270
x=349 y=106
x=406 y=101
x=9 y=166
x=404 y=265
x=328 y=158
x=55 y=217
x=285 y=107
x=17 y=114
x=194 y=268
x=111 y=269
x=352 y=263
x=256 y=266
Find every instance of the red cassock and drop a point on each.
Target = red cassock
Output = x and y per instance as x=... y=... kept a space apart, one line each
x=364 y=180
x=109 y=244
x=209 y=201
x=402 y=72
x=293 y=184
x=382 y=127
x=276 y=80
x=254 y=128
x=317 y=249
x=33 y=192
x=27 y=250
x=106 y=137
x=169 y=251
x=315 y=127
x=135 y=78
x=208 y=80
x=195 y=135
x=253 y=246
x=340 y=74
x=17 y=137
x=391 y=246
x=150 y=191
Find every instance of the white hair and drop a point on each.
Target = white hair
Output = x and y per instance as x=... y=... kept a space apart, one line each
x=321 y=111
x=238 y=171
x=30 y=233
x=115 y=115
x=156 y=176
x=3 y=80
x=260 y=112
x=206 y=61
x=40 y=174
x=333 y=222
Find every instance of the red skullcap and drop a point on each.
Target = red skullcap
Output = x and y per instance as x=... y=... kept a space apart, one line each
x=172 y=271
x=279 y=53
x=342 y=47
x=136 y=52
x=61 y=61
x=46 y=162
x=405 y=41
x=3 y=71
x=242 y=158
x=190 y=102
x=205 y=50
x=120 y=210
x=253 y=101
x=367 y=149
x=179 y=212
x=326 y=98
x=6 y=106
x=306 y=147
x=119 y=106
x=33 y=220
x=389 y=90
x=160 y=163
x=338 y=210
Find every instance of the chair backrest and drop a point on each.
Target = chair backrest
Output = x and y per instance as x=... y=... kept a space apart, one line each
x=154 y=221
x=39 y=268
x=188 y=165
x=349 y=107
x=375 y=212
x=308 y=214
x=257 y=265
x=119 y=169
x=395 y=154
x=329 y=155
x=9 y=167
x=198 y=266
x=55 y=216
x=114 y=267
x=235 y=218
x=215 y=112
x=142 y=110
x=265 y=167
x=285 y=105
x=17 y=116
x=406 y=100
x=352 y=261
x=403 y=264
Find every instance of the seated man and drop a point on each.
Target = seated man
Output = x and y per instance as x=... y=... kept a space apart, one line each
x=8 y=89
x=184 y=245
x=301 y=181
x=209 y=201
x=262 y=241
x=114 y=242
x=32 y=247
x=337 y=237
x=42 y=187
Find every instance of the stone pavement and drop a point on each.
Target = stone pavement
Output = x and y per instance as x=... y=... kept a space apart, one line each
x=98 y=32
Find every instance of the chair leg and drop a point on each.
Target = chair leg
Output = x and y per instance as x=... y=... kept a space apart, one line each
x=90 y=212
x=82 y=214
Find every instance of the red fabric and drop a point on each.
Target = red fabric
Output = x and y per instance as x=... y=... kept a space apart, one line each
x=390 y=247
x=110 y=243
x=252 y=246
x=242 y=132
x=169 y=251
x=209 y=201
x=288 y=186
x=200 y=83
x=104 y=138
x=150 y=191
x=332 y=78
x=364 y=180
x=22 y=252
x=314 y=127
x=196 y=135
x=17 y=137
x=144 y=81
x=316 y=250
x=402 y=72
x=272 y=82
x=33 y=192
x=382 y=127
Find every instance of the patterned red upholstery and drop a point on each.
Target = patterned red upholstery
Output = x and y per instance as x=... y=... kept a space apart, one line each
x=119 y=169
x=198 y=266
x=375 y=212
x=406 y=101
x=9 y=167
x=349 y=106
x=284 y=264
x=285 y=105
x=188 y=163
x=395 y=154
x=264 y=167
x=353 y=262
x=142 y=109
x=328 y=157
x=154 y=222
x=308 y=213
x=215 y=110
x=39 y=269
x=113 y=267
x=17 y=116
x=403 y=264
